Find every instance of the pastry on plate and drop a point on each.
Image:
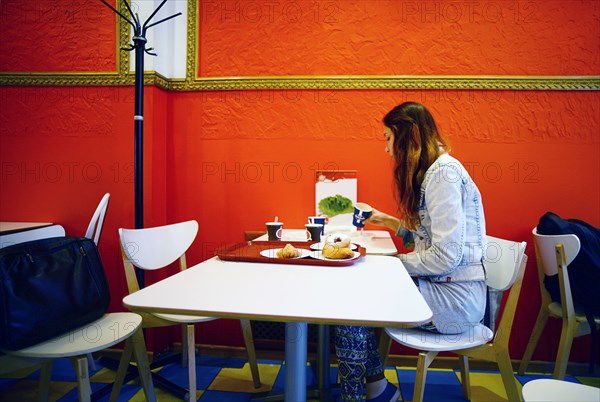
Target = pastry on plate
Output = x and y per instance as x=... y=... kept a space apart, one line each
x=336 y=252
x=288 y=251
x=339 y=240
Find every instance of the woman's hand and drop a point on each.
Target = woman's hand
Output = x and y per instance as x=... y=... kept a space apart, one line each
x=379 y=218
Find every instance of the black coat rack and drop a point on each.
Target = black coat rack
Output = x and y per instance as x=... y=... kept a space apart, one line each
x=139 y=45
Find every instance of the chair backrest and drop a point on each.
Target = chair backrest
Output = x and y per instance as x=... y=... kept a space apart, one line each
x=502 y=261
x=155 y=248
x=94 y=229
x=545 y=249
x=505 y=263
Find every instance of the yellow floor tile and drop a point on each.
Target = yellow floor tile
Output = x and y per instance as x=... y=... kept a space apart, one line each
x=240 y=380
x=591 y=381
x=161 y=396
x=104 y=375
x=29 y=391
x=487 y=387
x=392 y=376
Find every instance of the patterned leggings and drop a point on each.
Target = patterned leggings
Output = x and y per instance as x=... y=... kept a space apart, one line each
x=358 y=358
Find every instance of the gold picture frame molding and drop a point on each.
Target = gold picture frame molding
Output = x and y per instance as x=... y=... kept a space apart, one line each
x=124 y=77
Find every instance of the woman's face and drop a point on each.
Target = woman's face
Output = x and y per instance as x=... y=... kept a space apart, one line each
x=389 y=144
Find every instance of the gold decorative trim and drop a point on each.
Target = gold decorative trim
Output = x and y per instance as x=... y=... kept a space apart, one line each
x=191 y=58
x=533 y=83
x=123 y=39
x=392 y=82
x=540 y=83
x=83 y=79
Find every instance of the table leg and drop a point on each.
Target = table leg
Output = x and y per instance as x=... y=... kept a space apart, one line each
x=323 y=358
x=295 y=361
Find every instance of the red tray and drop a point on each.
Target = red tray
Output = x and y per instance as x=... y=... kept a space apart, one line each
x=250 y=252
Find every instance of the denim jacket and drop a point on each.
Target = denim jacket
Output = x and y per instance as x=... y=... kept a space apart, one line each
x=450 y=239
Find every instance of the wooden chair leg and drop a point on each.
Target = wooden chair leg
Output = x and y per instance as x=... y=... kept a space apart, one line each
x=249 y=342
x=424 y=361
x=45 y=378
x=538 y=329
x=184 y=346
x=84 y=389
x=508 y=377
x=564 y=348
x=141 y=356
x=91 y=361
x=385 y=343
x=121 y=371
x=464 y=376
x=191 y=353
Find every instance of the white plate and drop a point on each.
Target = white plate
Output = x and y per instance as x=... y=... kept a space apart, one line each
x=272 y=253
x=319 y=246
x=319 y=256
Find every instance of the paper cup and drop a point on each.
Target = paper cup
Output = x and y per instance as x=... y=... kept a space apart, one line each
x=274 y=230
x=319 y=220
x=313 y=232
x=361 y=212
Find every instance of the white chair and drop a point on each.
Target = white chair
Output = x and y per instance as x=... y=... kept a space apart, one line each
x=546 y=390
x=93 y=232
x=94 y=229
x=103 y=333
x=156 y=248
x=574 y=323
x=504 y=264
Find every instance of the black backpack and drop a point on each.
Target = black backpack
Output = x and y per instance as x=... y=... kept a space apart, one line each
x=584 y=270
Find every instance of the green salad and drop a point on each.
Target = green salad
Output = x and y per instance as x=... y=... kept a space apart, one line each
x=336 y=205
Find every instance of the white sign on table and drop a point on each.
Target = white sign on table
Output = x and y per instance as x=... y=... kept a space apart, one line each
x=335 y=196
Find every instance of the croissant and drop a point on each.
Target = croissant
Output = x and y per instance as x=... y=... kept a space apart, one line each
x=336 y=252
x=288 y=251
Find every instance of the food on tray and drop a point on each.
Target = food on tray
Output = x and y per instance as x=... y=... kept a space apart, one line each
x=336 y=252
x=337 y=246
x=289 y=251
x=336 y=205
x=338 y=239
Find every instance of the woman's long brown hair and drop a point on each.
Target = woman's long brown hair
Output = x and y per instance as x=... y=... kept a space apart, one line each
x=417 y=144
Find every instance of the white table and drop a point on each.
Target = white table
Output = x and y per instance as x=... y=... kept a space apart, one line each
x=542 y=390
x=12 y=227
x=19 y=232
x=303 y=294
x=377 y=242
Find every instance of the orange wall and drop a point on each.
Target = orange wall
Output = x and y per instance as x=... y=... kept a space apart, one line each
x=234 y=159
x=397 y=37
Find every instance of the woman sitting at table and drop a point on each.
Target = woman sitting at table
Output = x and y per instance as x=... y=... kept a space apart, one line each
x=440 y=208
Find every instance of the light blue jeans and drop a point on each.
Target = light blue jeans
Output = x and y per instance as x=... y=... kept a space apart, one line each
x=456 y=306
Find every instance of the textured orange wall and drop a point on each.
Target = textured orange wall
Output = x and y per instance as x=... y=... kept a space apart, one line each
x=233 y=159
x=396 y=37
x=49 y=35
